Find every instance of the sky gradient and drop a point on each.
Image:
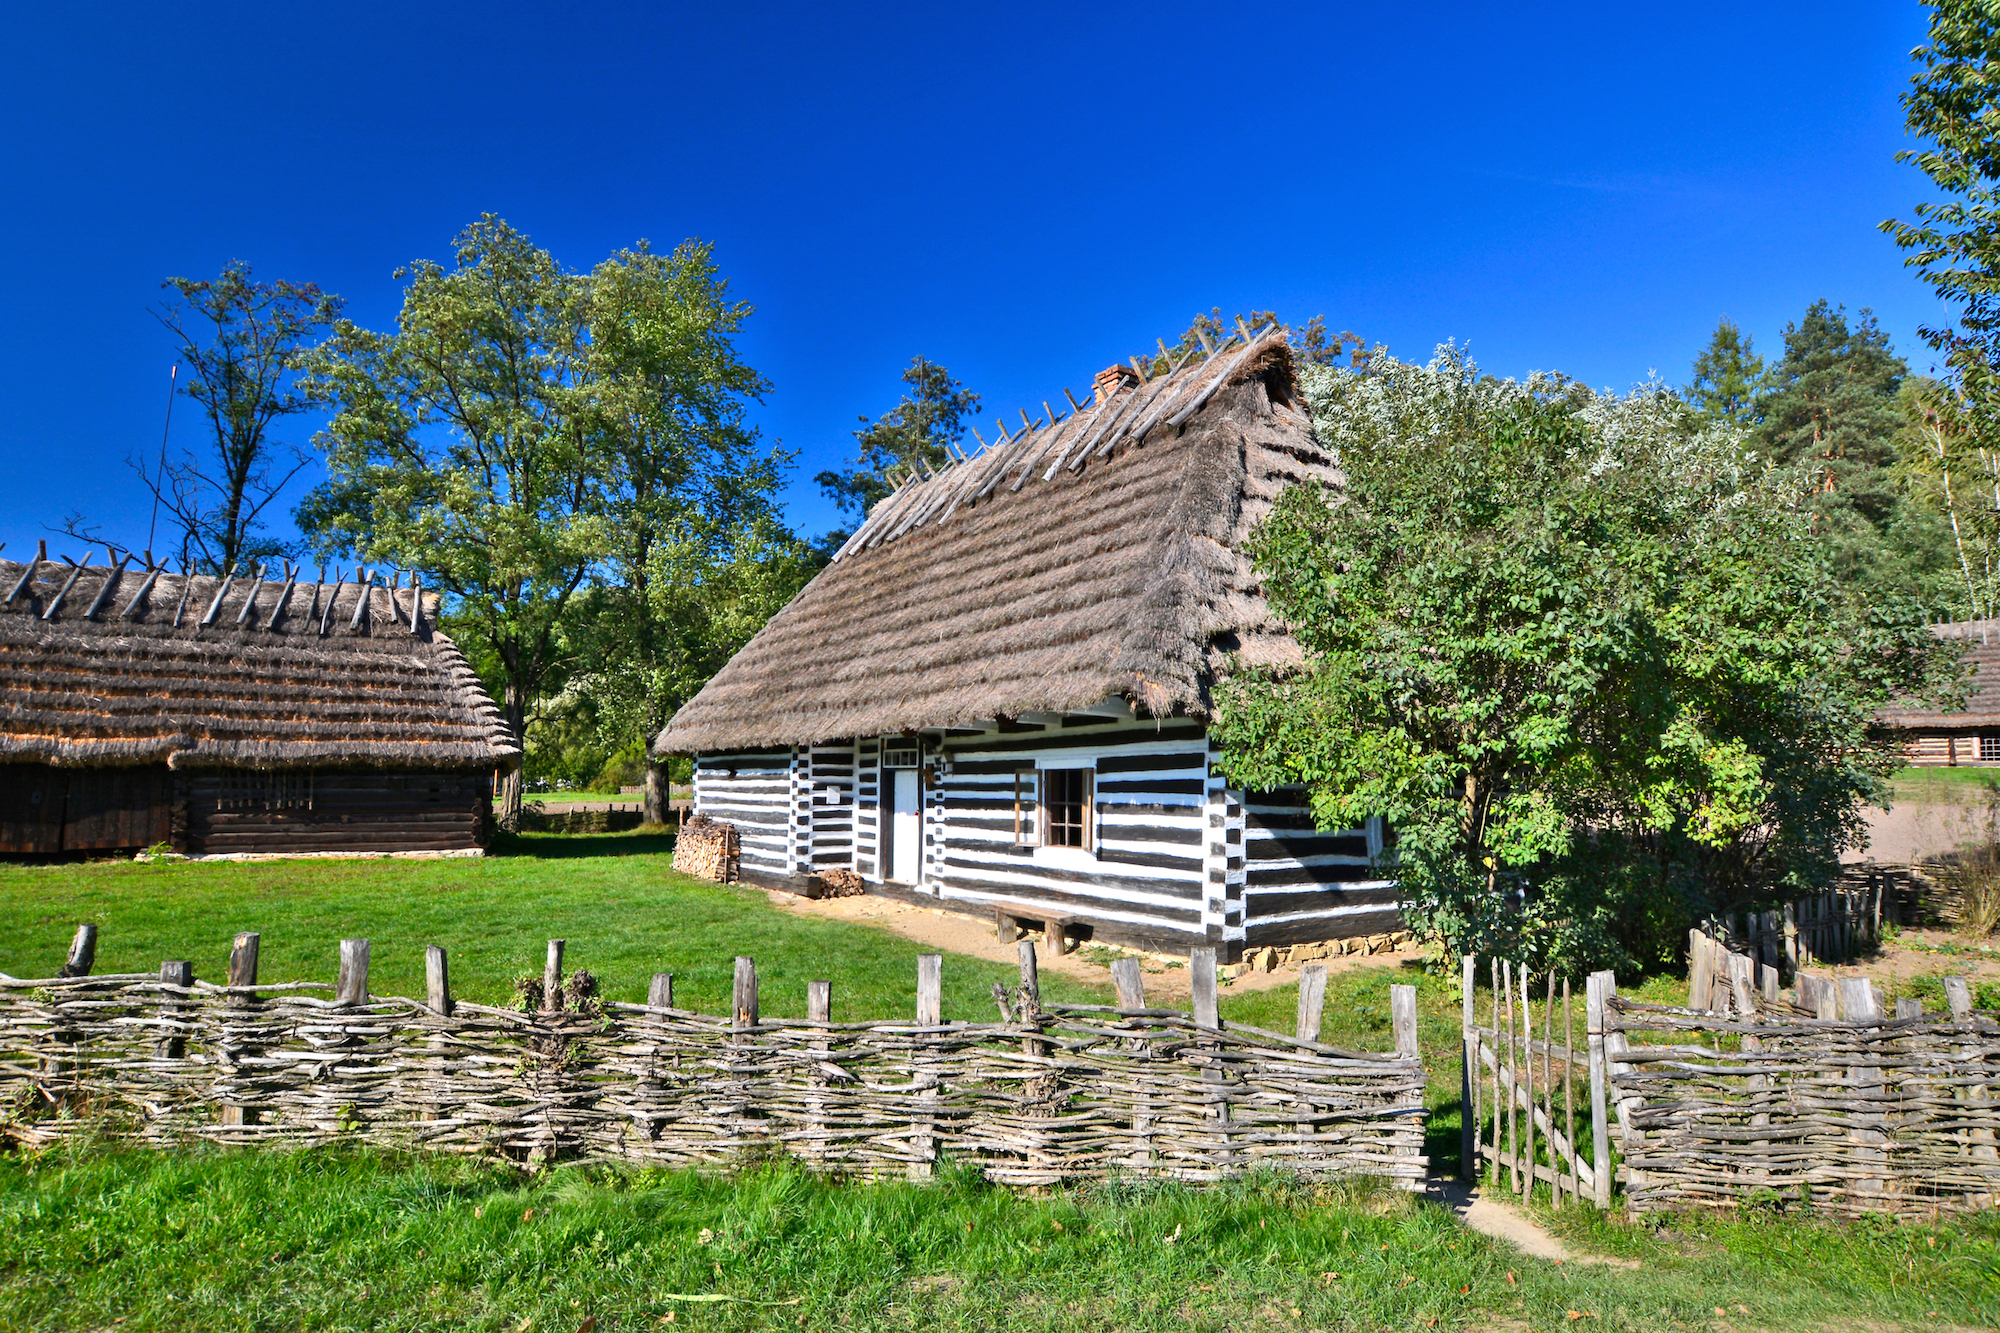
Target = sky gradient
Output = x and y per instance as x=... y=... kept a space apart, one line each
x=1023 y=194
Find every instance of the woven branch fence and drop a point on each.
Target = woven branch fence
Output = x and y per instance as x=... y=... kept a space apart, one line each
x=1828 y=1102
x=1044 y=1094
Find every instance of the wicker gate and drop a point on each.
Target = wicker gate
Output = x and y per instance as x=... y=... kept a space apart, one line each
x=1522 y=1105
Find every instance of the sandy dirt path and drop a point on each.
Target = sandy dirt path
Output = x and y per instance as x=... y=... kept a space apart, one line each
x=954 y=932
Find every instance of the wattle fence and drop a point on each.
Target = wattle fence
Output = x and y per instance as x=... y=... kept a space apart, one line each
x=1044 y=1094
x=1743 y=1097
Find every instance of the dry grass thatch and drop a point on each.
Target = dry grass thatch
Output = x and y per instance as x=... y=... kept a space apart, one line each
x=1100 y=555
x=1982 y=701
x=102 y=666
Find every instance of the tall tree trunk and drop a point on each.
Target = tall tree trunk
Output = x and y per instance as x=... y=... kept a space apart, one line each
x=516 y=708
x=656 y=789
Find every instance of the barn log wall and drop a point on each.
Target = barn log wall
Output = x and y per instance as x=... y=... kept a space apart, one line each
x=45 y=811
x=1302 y=883
x=338 y=810
x=868 y=830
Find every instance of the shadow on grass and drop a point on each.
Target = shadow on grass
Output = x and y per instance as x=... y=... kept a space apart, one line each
x=574 y=846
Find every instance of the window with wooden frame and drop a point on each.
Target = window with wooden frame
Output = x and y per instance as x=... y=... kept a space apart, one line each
x=1067 y=807
x=1024 y=807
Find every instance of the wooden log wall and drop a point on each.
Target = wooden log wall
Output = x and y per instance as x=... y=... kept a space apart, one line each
x=1044 y=1094
x=1839 y=1106
x=751 y=789
x=1302 y=883
x=868 y=830
x=45 y=811
x=1146 y=883
x=830 y=823
x=333 y=810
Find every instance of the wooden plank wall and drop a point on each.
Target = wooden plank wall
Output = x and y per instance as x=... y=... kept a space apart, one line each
x=831 y=830
x=45 y=811
x=1302 y=884
x=1939 y=749
x=332 y=810
x=751 y=789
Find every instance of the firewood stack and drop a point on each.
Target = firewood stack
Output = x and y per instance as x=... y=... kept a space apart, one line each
x=708 y=849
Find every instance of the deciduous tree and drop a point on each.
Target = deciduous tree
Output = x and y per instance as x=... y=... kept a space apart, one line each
x=1586 y=656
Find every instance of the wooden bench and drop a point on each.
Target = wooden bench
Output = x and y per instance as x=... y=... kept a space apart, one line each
x=1058 y=930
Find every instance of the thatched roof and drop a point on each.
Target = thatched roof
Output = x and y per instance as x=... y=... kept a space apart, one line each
x=103 y=666
x=1982 y=698
x=1097 y=555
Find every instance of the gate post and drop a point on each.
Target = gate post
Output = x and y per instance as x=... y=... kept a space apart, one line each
x=1468 y=1128
x=1600 y=1128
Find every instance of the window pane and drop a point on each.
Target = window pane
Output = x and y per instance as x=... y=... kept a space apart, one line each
x=1989 y=748
x=1063 y=806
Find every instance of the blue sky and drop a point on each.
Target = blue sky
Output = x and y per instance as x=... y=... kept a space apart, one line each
x=1023 y=194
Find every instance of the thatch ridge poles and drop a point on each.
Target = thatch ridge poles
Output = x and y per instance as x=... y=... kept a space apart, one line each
x=250 y=602
x=220 y=593
x=366 y=588
x=110 y=582
x=1221 y=377
x=284 y=597
x=153 y=573
x=416 y=601
x=75 y=573
x=326 y=617
x=187 y=586
x=28 y=568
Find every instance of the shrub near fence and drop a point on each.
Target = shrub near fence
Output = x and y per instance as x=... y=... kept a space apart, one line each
x=1042 y=1095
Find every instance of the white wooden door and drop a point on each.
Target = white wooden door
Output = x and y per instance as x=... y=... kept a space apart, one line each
x=906 y=837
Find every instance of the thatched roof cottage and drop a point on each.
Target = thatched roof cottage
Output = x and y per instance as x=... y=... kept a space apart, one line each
x=235 y=715
x=996 y=698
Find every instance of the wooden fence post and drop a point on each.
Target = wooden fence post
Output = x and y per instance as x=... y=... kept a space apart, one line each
x=1201 y=981
x=1403 y=1021
x=743 y=995
x=1468 y=1064
x=1859 y=1002
x=82 y=952
x=1595 y=988
x=352 y=986
x=1791 y=937
x=660 y=995
x=819 y=1010
x=172 y=1044
x=437 y=980
x=242 y=972
x=552 y=979
x=1958 y=995
x=1698 y=971
x=1312 y=1001
x=1030 y=998
x=1131 y=985
x=930 y=989
x=930 y=1014
x=1527 y=1162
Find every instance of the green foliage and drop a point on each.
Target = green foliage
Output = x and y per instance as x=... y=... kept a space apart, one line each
x=1587 y=658
x=566 y=455
x=919 y=435
x=1727 y=378
x=244 y=343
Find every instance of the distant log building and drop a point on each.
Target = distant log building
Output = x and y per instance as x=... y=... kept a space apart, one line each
x=235 y=715
x=1969 y=738
x=997 y=696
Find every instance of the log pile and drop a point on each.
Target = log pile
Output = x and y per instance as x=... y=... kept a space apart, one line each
x=708 y=849
x=1849 y=1112
x=1042 y=1095
x=842 y=884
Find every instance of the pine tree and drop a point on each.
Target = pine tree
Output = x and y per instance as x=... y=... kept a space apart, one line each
x=1830 y=404
x=1727 y=376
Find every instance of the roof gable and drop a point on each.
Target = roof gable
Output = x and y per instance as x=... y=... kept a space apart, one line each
x=1043 y=574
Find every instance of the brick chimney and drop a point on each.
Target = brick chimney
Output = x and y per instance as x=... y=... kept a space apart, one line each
x=1111 y=379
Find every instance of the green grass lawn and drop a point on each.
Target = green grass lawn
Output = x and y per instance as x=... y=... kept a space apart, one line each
x=339 y=1239
x=615 y=898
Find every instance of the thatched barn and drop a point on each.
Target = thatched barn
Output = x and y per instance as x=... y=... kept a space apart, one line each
x=236 y=715
x=1965 y=739
x=996 y=697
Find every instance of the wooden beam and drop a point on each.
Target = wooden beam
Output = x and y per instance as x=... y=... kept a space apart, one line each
x=250 y=602
x=75 y=573
x=930 y=989
x=352 y=986
x=110 y=582
x=437 y=980
x=216 y=605
x=361 y=607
